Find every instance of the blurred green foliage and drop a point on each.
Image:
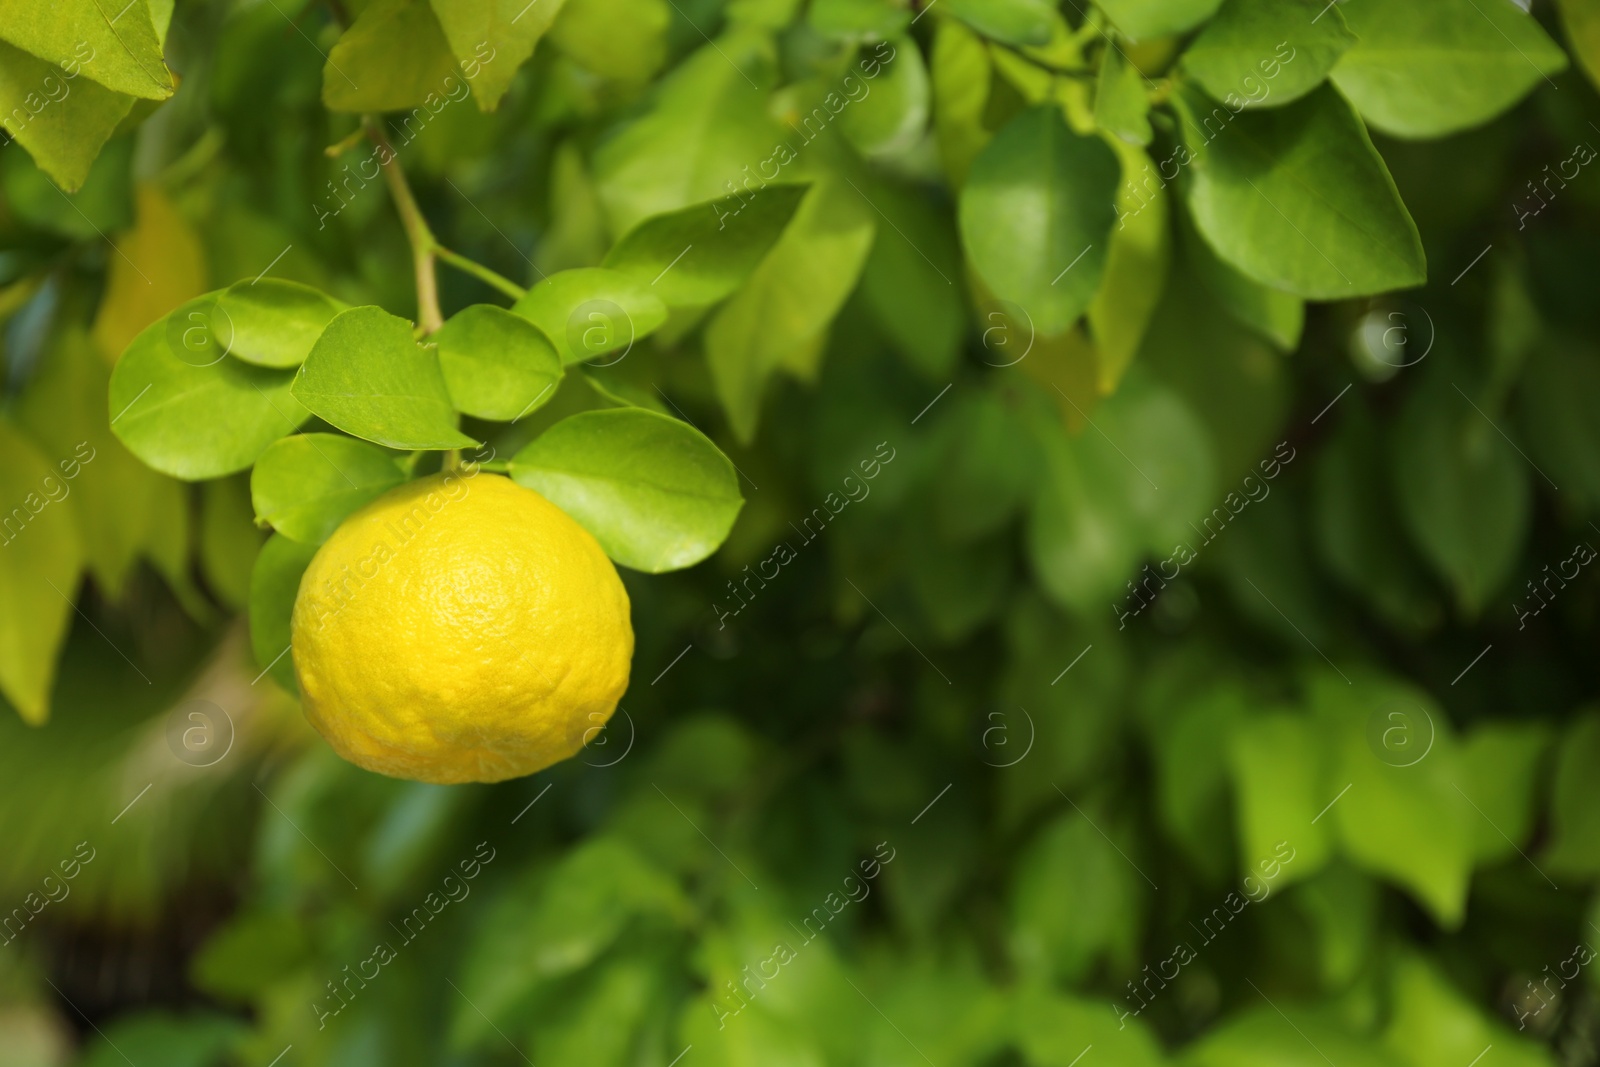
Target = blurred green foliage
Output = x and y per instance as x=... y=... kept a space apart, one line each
x=1148 y=636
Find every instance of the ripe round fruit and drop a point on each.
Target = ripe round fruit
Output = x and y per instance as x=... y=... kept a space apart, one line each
x=460 y=628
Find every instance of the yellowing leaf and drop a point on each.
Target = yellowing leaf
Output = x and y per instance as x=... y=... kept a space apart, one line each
x=157 y=265
x=40 y=558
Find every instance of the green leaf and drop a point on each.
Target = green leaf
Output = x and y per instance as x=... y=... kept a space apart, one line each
x=103 y=40
x=1581 y=21
x=1075 y=899
x=271 y=322
x=1403 y=817
x=40 y=559
x=187 y=410
x=655 y=492
x=592 y=312
x=790 y=299
x=1574 y=806
x=1557 y=397
x=1121 y=104
x=1143 y=19
x=1297 y=197
x=1463 y=490
x=1267 y=53
x=251 y=952
x=1502 y=764
x=274 y=584
x=892 y=117
x=1053 y=1030
x=1435 y=1024
x=1036 y=216
x=62 y=122
x=366 y=376
x=623 y=39
x=854 y=20
x=697 y=255
x=493 y=38
x=1267 y=1036
x=706 y=123
x=592 y=896
x=229 y=540
x=113 y=495
x=496 y=365
x=1427 y=68
x=394 y=57
x=1280 y=780
x=306 y=485
x=1017 y=22
x=961 y=74
x=909 y=278
x=1135 y=273
x=196 y=1040
x=1274 y=314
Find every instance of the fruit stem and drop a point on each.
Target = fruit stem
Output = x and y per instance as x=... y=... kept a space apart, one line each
x=479 y=271
x=424 y=246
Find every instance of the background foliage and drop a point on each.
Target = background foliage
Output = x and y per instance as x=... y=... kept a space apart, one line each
x=1005 y=315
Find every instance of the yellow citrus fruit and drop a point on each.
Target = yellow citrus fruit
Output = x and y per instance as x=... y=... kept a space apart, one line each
x=460 y=628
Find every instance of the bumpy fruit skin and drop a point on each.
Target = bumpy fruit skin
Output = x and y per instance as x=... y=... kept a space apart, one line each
x=460 y=628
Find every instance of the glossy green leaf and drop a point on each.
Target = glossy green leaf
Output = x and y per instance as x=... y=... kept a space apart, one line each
x=1581 y=21
x=654 y=491
x=893 y=115
x=105 y=41
x=1140 y=20
x=697 y=255
x=1297 y=197
x=496 y=365
x=187 y=410
x=790 y=298
x=1463 y=490
x=1036 y=216
x=305 y=485
x=62 y=122
x=1017 y=22
x=706 y=123
x=271 y=322
x=274 y=584
x=1267 y=53
x=41 y=556
x=1121 y=103
x=394 y=57
x=1081 y=535
x=366 y=376
x=492 y=38
x=1427 y=68
x=592 y=313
